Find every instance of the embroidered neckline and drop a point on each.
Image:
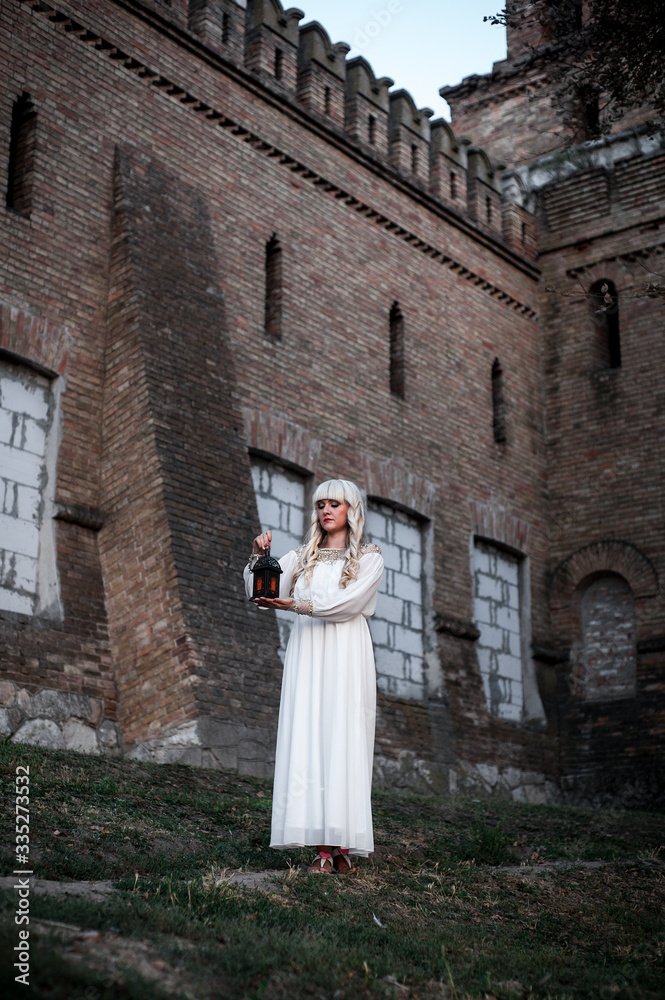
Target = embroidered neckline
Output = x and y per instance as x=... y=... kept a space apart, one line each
x=331 y=555
x=334 y=555
x=369 y=547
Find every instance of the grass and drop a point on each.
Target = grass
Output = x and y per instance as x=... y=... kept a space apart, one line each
x=443 y=909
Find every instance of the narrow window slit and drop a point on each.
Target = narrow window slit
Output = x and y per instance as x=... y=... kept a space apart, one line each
x=498 y=403
x=605 y=304
x=273 y=303
x=22 y=142
x=397 y=379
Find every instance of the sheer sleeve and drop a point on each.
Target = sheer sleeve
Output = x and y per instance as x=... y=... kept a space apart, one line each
x=288 y=564
x=358 y=597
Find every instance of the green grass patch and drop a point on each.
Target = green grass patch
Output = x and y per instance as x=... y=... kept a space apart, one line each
x=442 y=910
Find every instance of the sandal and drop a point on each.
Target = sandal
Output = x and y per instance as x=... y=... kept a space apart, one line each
x=341 y=862
x=322 y=865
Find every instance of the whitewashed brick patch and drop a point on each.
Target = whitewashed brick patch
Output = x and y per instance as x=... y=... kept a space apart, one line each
x=280 y=499
x=397 y=625
x=24 y=424
x=496 y=609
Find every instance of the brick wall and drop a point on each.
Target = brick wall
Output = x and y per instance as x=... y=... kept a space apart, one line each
x=162 y=170
x=512 y=111
x=604 y=469
x=177 y=612
x=607 y=652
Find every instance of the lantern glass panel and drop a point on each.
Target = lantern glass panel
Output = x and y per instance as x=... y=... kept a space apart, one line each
x=267 y=572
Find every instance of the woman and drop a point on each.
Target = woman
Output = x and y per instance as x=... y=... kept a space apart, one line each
x=325 y=735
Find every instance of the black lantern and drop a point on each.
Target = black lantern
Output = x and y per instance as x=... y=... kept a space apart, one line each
x=267 y=572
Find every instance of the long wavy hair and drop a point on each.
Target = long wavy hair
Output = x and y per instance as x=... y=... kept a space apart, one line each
x=339 y=490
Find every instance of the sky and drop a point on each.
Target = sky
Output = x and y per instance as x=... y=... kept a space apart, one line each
x=420 y=44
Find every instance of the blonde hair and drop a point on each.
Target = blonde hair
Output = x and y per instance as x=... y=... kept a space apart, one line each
x=339 y=490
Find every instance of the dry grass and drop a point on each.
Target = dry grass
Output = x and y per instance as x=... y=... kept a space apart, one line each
x=464 y=899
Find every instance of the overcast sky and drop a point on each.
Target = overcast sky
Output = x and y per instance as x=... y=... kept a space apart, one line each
x=420 y=44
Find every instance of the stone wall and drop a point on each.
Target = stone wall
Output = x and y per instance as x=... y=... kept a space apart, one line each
x=62 y=720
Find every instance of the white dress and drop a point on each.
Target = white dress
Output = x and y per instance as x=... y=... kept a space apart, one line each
x=325 y=735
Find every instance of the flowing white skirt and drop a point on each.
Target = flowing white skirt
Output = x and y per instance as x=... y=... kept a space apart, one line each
x=325 y=738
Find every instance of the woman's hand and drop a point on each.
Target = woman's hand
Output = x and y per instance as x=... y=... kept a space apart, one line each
x=278 y=603
x=261 y=543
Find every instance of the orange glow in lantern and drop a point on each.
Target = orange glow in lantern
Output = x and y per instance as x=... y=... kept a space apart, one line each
x=267 y=572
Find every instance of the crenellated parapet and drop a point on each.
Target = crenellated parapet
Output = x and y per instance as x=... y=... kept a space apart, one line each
x=448 y=165
x=367 y=106
x=518 y=210
x=220 y=24
x=306 y=67
x=272 y=41
x=322 y=72
x=409 y=137
x=484 y=190
x=173 y=10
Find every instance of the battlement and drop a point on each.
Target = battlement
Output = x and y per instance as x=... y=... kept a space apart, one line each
x=303 y=65
x=321 y=72
x=272 y=42
x=408 y=137
x=367 y=106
